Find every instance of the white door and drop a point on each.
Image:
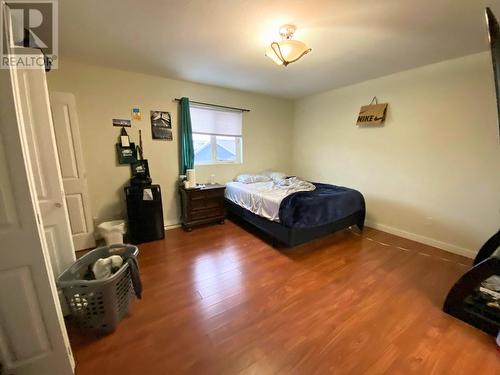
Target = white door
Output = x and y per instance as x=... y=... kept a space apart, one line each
x=69 y=147
x=35 y=107
x=33 y=338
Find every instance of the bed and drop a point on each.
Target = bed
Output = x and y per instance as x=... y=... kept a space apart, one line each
x=292 y=216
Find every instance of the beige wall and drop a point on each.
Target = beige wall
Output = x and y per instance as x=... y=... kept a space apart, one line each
x=432 y=173
x=103 y=94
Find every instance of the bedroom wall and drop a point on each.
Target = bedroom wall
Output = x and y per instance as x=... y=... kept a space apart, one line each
x=102 y=94
x=432 y=172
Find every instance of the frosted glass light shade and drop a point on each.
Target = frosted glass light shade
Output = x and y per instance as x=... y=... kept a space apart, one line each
x=286 y=51
x=273 y=56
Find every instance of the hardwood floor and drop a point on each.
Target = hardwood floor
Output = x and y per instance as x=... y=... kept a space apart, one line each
x=220 y=300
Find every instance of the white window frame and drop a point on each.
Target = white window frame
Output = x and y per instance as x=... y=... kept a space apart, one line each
x=213 y=148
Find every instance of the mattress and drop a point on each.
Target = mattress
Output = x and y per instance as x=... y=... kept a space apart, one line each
x=261 y=198
x=295 y=205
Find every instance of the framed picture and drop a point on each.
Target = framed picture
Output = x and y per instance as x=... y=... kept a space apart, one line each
x=126 y=155
x=122 y=122
x=161 y=125
x=136 y=114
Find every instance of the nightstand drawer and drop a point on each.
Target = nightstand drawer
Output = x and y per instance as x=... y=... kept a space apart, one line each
x=214 y=203
x=214 y=194
x=203 y=204
x=197 y=204
x=207 y=213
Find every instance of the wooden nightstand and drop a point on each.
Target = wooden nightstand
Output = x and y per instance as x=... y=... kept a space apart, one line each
x=202 y=206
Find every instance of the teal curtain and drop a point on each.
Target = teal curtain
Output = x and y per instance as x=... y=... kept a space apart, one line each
x=186 y=137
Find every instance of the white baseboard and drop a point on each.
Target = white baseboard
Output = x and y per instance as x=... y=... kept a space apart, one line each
x=422 y=239
x=172 y=226
x=402 y=233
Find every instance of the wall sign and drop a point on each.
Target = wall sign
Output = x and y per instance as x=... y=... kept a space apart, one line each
x=372 y=114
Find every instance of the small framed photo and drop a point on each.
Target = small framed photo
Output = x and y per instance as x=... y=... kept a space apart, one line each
x=161 y=125
x=122 y=122
x=136 y=114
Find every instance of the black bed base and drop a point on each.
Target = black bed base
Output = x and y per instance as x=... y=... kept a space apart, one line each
x=293 y=236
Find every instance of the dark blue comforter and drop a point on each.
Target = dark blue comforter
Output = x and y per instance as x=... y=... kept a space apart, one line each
x=326 y=204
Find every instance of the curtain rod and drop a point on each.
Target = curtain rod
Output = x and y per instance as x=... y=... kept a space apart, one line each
x=216 y=105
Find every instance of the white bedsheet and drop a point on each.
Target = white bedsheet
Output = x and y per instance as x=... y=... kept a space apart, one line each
x=264 y=198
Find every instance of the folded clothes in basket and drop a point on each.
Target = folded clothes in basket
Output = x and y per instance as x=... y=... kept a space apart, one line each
x=105 y=267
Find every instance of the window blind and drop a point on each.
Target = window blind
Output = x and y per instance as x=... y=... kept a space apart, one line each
x=215 y=121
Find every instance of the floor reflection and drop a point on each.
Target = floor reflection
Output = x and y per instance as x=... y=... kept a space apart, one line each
x=218 y=278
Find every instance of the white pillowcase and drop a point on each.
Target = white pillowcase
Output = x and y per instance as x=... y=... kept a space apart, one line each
x=251 y=178
x=275 y=176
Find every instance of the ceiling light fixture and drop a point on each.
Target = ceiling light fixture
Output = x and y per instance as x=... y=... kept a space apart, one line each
x=287 y=50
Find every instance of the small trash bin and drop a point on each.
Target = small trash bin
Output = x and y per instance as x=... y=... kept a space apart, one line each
x=97 y=306
x=112 y=231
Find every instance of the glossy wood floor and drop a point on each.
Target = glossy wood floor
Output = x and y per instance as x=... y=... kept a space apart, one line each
x=221 y=300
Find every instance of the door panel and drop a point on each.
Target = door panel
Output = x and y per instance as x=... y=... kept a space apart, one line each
x=33 y=337
x=45 y=166
x=52 y=238
x=76 y=213
x=69 y=148
x=8 y=214
x=22 y=317
x=65 y=137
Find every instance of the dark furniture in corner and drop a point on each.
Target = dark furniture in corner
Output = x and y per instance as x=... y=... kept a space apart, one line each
x=145 y=217
x=465 y=302
x=202 y=206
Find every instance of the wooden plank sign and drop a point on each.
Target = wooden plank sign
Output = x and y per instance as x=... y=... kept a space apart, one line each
x=373 y=114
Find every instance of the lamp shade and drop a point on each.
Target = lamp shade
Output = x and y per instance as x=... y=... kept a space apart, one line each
x=286 y=51
x=273 y=56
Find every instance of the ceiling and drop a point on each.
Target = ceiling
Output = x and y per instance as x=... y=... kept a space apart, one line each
x=222 y=42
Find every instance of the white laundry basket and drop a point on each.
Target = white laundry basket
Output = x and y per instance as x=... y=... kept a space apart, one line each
x=112 y=231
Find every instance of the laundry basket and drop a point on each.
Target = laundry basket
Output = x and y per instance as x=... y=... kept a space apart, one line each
x=97 y=306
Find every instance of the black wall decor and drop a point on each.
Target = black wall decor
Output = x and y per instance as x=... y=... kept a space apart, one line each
x=140 y=168
x=161 y=125
x=126 y=155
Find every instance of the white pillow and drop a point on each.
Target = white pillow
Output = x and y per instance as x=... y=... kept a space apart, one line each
x=251 y=178
x=275 y=176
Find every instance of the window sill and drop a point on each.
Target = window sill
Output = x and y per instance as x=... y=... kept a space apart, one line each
x=218 y=163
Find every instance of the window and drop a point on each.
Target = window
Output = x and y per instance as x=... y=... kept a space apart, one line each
x=216 y=135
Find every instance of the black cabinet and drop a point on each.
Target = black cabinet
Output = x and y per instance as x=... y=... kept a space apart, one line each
x=145 y=213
